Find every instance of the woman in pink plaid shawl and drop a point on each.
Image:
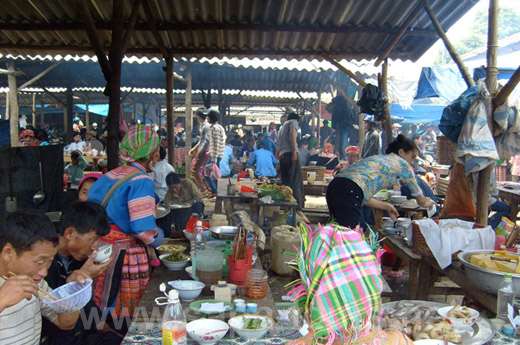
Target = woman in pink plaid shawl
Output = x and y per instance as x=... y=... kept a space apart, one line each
x=340 y=289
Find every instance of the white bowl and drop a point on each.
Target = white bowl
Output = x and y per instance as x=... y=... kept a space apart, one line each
x=189 y=270
x=104 y=254
x=459 y=323
x=71 y=297
x=188 y=289
x=237 y=324
x=203 y=330
x=174 y=265
x=398 y=199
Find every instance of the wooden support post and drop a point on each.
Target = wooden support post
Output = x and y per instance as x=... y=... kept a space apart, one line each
x=69 y=114
x=484 y=177
x=507 y=89
x=135 y=113
x=13 y=104
x=170 y=126
x=409 y=21
x=6 y=105
x=319 y=118
x=42 y=114
x=449 y=47
x=87 y=114
x=188 y=121
x=145 y=111
x=346 y=71
x=339 y=90
x=387 y=124
x=34 y=110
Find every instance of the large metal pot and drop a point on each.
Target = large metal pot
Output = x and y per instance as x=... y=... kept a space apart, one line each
x=486 y=280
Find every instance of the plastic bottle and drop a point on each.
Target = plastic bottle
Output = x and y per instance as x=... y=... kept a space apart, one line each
x=174 y=321
x=397 y=185
x=197 y=243
x=505 y=296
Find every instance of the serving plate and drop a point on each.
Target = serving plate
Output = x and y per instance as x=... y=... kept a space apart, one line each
x=197 y=305
x=480 y=333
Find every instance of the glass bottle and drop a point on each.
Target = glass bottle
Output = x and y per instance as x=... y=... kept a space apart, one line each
x=505 y=296
x=174 y=321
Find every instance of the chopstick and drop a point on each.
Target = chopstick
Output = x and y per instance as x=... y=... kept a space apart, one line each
x=49 y=297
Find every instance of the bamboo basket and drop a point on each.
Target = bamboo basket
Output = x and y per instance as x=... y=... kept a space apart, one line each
x=445 y=150
x=320 y=173
x=420 y=245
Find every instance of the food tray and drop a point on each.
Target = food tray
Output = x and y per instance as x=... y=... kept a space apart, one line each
x=481 y=332
x=224 y=232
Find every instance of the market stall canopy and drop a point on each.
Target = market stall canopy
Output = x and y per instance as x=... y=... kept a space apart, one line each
x=447 y=83
x=197 y=28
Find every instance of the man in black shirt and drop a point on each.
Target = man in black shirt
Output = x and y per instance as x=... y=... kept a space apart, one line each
x=81 y=226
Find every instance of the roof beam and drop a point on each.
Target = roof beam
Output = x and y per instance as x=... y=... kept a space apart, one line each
x=41 y=74
x=327 y=29
x=409 y=21
x=182 y=52
x=155 y=31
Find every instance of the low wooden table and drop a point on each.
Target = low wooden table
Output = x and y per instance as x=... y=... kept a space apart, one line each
x=293 y=205
x=149 y=311
x=318 y=188
x=413 y=259
x=511 y=196
x=222 y=195
x=90 y=159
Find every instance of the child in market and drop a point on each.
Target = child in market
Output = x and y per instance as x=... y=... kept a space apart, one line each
x=28 y=244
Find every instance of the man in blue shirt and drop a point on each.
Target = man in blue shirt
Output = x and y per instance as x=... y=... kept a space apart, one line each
x=264 y=160
x=269 y=143
x=226 y=163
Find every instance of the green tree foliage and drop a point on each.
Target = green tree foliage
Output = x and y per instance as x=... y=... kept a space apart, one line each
x=477 y=34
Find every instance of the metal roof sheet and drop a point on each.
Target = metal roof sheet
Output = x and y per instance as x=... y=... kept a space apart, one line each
x=351 y=29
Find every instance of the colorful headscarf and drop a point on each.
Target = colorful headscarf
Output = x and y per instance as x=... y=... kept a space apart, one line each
x=138 y=143
x=352 y=149
x=340 y=286
x=27 y=133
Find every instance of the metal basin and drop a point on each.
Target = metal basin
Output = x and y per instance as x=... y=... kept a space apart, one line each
x=162 y=211
x=54 y=216
x=486 y=280
x=178 y=206
x=224 y=232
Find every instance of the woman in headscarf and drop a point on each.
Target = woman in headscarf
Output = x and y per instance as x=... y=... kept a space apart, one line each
x=339 y=289
x=127 y=193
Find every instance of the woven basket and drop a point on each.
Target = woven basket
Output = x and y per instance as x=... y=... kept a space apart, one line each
x=320 y=173
x=420 y=245
x=445 y=150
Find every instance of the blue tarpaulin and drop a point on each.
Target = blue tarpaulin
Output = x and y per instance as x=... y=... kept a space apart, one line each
x=447 y=82
x=418 y=112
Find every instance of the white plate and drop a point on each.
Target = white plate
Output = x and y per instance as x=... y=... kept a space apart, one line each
x=480 y=333
x=431 y=342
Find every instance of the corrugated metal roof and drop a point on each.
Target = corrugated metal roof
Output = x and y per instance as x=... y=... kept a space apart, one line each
x=351 y=29
x=151 y=75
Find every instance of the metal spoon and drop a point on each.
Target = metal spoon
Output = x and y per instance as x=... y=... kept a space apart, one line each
x=40 y=195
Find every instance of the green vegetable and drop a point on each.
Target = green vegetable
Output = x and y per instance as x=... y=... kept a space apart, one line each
x=175 y=257
x=252 y=323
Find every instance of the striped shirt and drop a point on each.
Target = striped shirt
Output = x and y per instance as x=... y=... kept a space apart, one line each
x=380 y=171
x=21 y=324
x=217 y=141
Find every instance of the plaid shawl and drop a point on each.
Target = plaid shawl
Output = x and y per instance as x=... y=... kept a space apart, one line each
x=340 y=283
x=138 y=143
